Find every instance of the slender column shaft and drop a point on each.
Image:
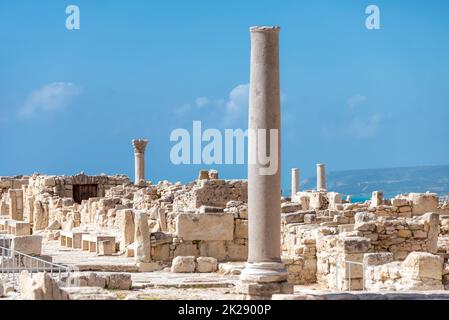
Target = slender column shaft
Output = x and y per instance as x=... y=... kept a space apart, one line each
x=295 y=181
x=264 y=186
x=139 y=161
x=320 y=177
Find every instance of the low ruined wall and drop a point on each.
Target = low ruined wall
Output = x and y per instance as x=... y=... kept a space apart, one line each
x=62 y=186
x=211 y=193
x=402 y=236
x=299 y=252
x=419 y=271
x=334 y=252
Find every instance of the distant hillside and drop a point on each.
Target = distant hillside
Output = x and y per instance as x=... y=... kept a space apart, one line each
x=391 y=181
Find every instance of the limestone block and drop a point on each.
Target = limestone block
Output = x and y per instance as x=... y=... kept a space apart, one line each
x=40 y=286
x=422 y=265
x=94 y=280
x=345 y=228
x=423 y=202
x=241 y=229
x=183 y=264
x=360 y=217
x=142 y=242
x=317 y=200
x=295 y=217
x=186 y=249
x=213 y=174
x=289 y=207
x=236 y=251
x=206 y=264
x=334 y=199
x=125 y=222
x=203 y=174
x=377 y=199
x=54 y=225
x=205 y=226
x=216 y=249
x=341 y=219
x=365 y=226
x=432 y=224
x=119 y=281
x=106 y=248
x=161 y=252
x=354 y=244
x=310 y=218
x=377 y=258
x=399 y=202
x=31 y=245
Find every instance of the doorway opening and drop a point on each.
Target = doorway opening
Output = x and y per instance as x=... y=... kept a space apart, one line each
x=84 y=192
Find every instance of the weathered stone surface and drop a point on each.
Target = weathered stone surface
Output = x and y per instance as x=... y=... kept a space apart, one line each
x=419 y=265
x=206 y=226
x=54 y=225
x=31 y=245
x=216 y=249
x=377 y=199
x=289 y=207
x=206 y=264
x=241 y=229
x=354 y=244
x=125 y=221
x=360 y=217
x=94 y=280
x=183 y=264
x=142 y=238
x=378 y=258
x=40 y=286
x=119 y=281
x=423 y=202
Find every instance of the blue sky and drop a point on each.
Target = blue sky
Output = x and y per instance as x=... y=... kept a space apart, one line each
x=353 y=98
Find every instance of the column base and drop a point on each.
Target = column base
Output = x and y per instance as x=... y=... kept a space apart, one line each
x=259 y=281
x=264 y=272
x=263 y=291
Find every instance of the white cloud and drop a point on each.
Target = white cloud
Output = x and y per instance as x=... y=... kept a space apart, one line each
x=182 y=110
x=202 y=102
x=230 y=110
x=49 y=98
x=365 y=127
x=356 y=101
x=237 y=104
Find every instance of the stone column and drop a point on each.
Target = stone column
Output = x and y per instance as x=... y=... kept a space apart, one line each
x=295 y=181
x=139 y=161
x=320 y=177
x=264 y=265
x=377 y=198
x=142 y=241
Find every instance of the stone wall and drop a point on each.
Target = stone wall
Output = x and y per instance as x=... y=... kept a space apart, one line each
x=401 y=236
x=62 y=186
x=214 y=192
x=419 y=271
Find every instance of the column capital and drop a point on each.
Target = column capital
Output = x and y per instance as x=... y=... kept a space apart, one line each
x=265 y=29
x=139 y=145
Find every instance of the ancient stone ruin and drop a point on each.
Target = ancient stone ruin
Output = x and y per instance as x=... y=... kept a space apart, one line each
x=107 y=237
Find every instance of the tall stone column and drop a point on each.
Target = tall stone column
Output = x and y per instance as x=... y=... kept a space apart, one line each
x=295 y=181
x=139 y=161
x=320 y=177
x=264 y=265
